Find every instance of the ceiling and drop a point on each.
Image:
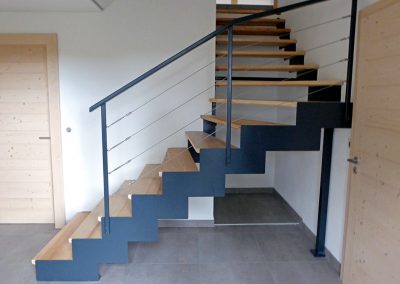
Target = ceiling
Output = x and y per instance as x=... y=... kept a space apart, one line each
x=53 y=5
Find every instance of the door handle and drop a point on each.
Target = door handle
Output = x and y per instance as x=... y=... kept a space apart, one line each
x=44 y=138
x=353 y=160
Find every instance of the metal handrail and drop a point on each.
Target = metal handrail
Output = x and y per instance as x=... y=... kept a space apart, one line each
x=226 y=28
x=198 y=43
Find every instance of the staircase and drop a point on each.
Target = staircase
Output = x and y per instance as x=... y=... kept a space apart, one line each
x=162 y=190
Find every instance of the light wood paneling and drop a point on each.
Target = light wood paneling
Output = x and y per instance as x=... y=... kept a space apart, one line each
x=30 y=168
x=372 y=243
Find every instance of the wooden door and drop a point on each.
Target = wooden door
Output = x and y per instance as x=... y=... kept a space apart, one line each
x=372 y=245
x=30 y=149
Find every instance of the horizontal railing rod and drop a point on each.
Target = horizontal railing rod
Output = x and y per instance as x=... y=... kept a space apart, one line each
x=199 y=43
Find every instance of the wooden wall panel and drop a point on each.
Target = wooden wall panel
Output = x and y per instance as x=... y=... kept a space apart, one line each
x=372 y=246
x=30 y=168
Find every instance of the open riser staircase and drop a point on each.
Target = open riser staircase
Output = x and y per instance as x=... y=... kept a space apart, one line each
x=162 y=190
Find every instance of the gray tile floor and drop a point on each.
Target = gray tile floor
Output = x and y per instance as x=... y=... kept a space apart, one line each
x=253 y=208
x=265 y=255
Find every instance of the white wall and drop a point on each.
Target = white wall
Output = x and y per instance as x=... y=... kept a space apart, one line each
x=297 y=174
x=98 y=53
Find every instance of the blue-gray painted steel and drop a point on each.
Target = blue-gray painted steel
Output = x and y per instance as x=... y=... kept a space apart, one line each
x=179 y=186
x=349 y=82
x=106 y=227
x=228 y=144
x=319 y=250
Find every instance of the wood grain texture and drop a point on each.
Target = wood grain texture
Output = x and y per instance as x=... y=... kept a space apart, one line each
x=29 y=108
x=265 y=103
x=372 y=238
x=223 y=40
x=90 y=228
x=266 y=54
x=58 y=248
x=236 y=123
x=243 y=83
x=201 y=140
x=256 y=22
x=178 y=160
x=262 y=31
x=289 y=68
x=148 y=182
x=238 y=11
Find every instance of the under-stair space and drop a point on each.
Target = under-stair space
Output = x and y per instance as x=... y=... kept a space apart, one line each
x=265 y=59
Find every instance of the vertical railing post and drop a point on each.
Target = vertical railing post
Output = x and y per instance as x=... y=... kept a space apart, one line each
x=106 y=227
x=229 y=98
x=326 y=165
x=349 y=82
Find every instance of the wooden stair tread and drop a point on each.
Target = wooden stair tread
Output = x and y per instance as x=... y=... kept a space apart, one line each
x=150 y=171
x=145 y=186
x=58 y=248
x=201 y=140
x=269 y=67
x=236 y=123
x=243 y=83
x=257 y=30
x=90 y=228
x=256 y=42
x=238 y=11
x=178 y=160
x=272 y=54
x=256 y=22
x=269 y=103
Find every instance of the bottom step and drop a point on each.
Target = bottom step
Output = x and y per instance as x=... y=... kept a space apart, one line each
x=59 y=248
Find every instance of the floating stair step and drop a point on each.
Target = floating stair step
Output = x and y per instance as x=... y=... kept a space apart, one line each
x=266 y=103
x=150 y=171
x=249 y=30
x=264 y=54
x=90 y=228
x=145 y=186
x=201 y=140
x=256 y=22
x=289 y=68
x=223 y=40
x=236 y=123
x=243 y=83
x=178 y=160
x=238 y=11
x=58 y=248
x=148 y=182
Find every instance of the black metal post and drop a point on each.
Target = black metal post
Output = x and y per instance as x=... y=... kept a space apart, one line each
x=319 y=250
x=350 y=62
x=229 y=98
x=106 y=228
